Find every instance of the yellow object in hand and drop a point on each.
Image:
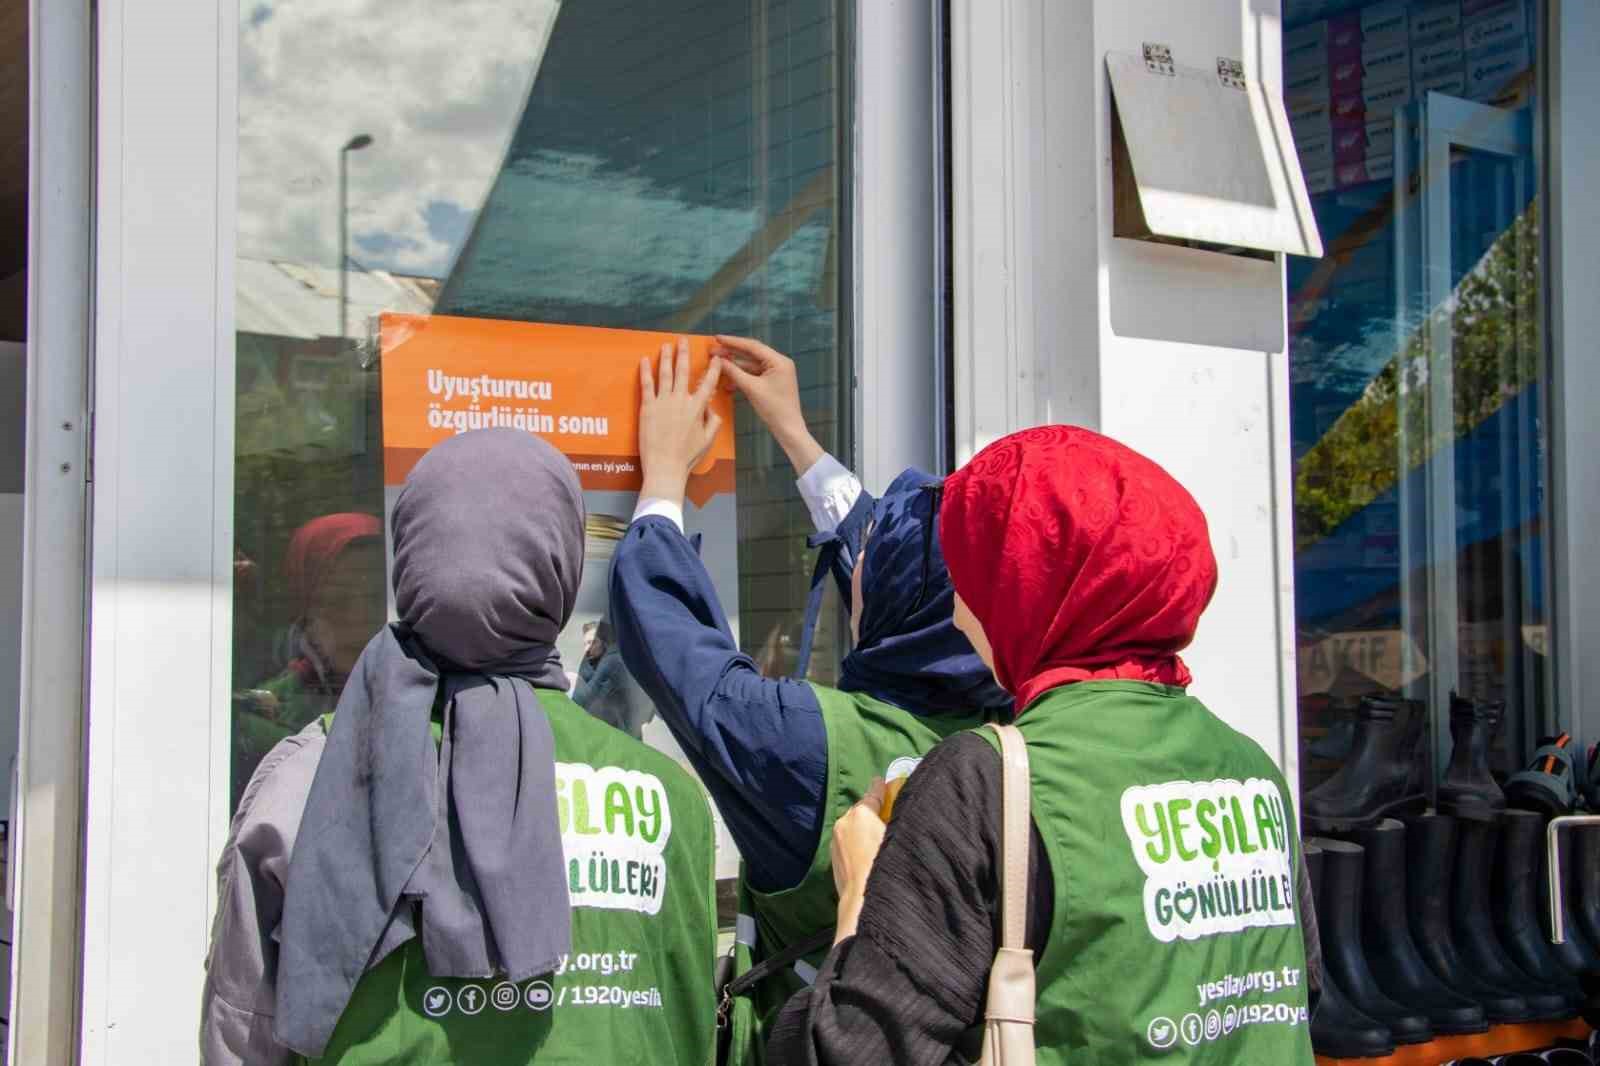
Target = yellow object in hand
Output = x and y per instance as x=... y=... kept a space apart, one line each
x=891 y=792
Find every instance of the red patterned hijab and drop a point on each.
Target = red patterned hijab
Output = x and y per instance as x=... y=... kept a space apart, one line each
x=1082 y=559
x=316 y=546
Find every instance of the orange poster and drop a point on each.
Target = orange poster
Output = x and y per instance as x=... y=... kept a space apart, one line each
x=578 y=388
x=575 y=386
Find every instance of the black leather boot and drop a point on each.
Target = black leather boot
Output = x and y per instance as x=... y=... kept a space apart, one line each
x=1343 y=957
x=1472 y=921
x=1430 y=852
x=1468 y=789
x=1384 y=774
x=1386 y=935
x=1338 y=1029
x=1517 y=903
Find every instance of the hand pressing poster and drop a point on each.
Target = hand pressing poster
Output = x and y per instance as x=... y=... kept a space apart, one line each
x=578 y=388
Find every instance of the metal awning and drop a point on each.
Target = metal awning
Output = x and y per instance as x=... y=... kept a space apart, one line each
x=1205 y=156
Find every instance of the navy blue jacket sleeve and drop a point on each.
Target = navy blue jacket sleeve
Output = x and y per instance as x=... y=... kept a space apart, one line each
x=758 y=744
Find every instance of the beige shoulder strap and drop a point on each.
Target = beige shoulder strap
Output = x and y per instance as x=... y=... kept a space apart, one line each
x=1015 y=813
x=1008 y=1029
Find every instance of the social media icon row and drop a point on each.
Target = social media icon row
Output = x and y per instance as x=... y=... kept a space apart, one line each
x=439 y=1001
x=1163 y=1033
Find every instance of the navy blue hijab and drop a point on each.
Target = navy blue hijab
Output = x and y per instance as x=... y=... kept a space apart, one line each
x=909 y=652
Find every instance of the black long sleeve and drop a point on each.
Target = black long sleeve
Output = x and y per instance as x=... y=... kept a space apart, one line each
x=912 y=980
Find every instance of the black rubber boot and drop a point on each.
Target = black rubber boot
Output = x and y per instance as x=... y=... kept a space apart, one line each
x=1383 y=776
x=1517 y=902
x=1386 y=934
x=1469 y=790
x=1338 y=1029
x=1335 y=744
x=1577 y=953
x=1343 y=958
x=1472 y=921
x=1568 y=1043
x=1591 y=792
x=1431 y=853
x=1563 y=1056
x=1585 y=852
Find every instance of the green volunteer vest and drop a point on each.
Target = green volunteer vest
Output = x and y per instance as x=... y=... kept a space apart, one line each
x=637 y=987
x=1172 y=841
x=867 y=738
x=276 y=709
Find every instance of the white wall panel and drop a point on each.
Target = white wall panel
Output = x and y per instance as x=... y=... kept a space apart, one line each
x=162 y=531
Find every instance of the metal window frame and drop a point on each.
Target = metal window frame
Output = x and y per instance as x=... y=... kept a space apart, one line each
x=1447 y=124
x=1571 y=232
x=894 y=285
x=48 y=812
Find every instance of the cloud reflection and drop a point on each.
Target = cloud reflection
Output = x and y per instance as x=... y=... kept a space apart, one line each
x=439 y=87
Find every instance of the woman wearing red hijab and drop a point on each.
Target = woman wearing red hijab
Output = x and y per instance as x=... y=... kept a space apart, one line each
x=334 y=571
x=1162 y=903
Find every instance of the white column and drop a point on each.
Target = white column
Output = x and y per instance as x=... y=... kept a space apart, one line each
x=1179 y=353
x=162 y=533
x=1024 y=216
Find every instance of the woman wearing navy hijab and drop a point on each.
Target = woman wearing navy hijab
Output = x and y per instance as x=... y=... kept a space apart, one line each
x=783 y=759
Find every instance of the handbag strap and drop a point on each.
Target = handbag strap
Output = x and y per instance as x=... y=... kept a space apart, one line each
x=1015 y=819
x=790 y=955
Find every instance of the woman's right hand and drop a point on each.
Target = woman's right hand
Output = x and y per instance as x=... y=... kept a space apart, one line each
x=768 y=379
x=857 y=837
x=676 y=425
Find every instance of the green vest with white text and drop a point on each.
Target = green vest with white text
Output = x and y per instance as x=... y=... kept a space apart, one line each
x=637 y=986
x=1172 y=845
x=867 y=738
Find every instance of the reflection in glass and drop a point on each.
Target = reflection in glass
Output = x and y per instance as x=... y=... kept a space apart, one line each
x=1417 y=406
x=601 y=163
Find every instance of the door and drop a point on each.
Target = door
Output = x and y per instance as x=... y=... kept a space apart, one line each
x=1469 y=405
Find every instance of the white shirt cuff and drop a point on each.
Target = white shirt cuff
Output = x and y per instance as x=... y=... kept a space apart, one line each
x=829 y=491
x=655 y=505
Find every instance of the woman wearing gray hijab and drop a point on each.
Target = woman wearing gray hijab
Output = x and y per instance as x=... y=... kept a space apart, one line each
x=460 y=865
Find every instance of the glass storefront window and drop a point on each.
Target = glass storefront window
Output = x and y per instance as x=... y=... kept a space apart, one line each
x=658 y=167
x=1418 y=362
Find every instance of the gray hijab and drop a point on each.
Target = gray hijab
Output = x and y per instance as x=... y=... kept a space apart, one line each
x=488 y=551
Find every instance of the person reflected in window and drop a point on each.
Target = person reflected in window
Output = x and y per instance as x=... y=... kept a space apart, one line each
x=459 y=865
x=607 y=690
x=334 y=571
x=782 y=758
x=1162 y=913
